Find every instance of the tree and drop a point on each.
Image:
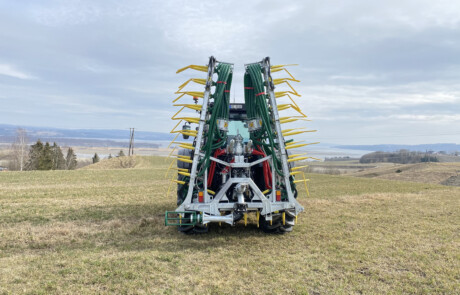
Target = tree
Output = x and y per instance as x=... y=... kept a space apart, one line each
x=35 y=152
x=95 y=158
x=20 y=149
x=110 y=156
x=57 y=157
x=45 y=160
x=121 y=153
x=70 y=160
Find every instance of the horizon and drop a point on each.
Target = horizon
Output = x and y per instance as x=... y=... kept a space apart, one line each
x=371 y=73
x=117 y=139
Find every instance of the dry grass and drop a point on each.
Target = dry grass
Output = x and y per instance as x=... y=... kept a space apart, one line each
x=101 y=231
x=421 y=172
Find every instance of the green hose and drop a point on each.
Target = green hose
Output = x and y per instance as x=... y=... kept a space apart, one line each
x=214 y=137
x=257 y=107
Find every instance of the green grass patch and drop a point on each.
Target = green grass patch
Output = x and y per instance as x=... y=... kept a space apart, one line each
x=101 y=231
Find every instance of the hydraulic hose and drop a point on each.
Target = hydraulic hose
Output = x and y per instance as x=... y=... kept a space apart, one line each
x=257 y=107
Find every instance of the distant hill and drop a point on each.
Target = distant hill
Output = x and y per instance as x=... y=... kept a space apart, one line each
x=436 y=147
x=84 y=137
x=439 y=173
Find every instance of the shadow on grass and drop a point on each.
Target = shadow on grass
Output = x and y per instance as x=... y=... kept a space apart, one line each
x=132 y=227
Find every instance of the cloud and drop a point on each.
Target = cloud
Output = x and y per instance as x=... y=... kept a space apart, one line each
x=11 y=71
x=366 y=67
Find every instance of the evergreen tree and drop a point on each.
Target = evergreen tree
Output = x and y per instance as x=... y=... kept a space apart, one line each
x=70 y=160
x=35 y=152
x=58 y=157
x=110 y=156
x=45 y=160
x=95 y=158
x=121 y=154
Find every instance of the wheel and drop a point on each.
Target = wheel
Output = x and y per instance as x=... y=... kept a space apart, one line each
x=201 y=229
x=182 y=188
x=277 y=227
x=274 y=227
x=288 y=222
x=192 y=229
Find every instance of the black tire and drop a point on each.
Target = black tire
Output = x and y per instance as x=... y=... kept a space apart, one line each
x=277 y=226
x=182 y=165
x=184 y=152
x=289 y=222
x=273 y=228
x=186 y=229
x=290 y=164
x=192 y=229
x=201 y=229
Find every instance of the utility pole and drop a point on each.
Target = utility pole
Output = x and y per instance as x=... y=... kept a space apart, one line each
x=131 y=142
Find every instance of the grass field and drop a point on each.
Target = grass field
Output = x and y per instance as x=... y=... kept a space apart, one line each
x=101 y=231
x=436 y=173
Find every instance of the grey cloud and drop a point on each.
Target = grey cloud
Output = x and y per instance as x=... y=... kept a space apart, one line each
x=366 y=67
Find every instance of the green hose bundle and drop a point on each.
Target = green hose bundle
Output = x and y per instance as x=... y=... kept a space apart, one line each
x=216 y=138
x=257 y=108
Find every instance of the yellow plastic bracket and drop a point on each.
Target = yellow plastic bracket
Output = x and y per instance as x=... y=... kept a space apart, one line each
x=185 y=160
x=183 y=157
x=196 y=107
x=299 y=167
x=291 y=129
x=174 y=117
x=191 y=93
x=167 y=171
x=282 y=69
x=296 y=146
x=187 y=147
x=196 y=80
x=193 y=67
x=296 y=155
x=172 y=151
x=289 y=84
x=179 y=97
x=283 y=93
x=297 y=132
x=281 y=80
x=282 y=66
x=292 y=119
x=175 y=137
x=189 y=119
x=304 y=180
x=179 y=181
x=297 y=159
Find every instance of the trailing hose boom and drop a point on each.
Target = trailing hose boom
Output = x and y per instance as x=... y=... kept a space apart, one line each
x=238 y=162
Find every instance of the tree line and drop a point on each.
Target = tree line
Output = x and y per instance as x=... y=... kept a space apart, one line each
x=400 y=157
x=50 y=157
x=43 y=156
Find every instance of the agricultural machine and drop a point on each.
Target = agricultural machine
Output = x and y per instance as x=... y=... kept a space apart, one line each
x=240 y=160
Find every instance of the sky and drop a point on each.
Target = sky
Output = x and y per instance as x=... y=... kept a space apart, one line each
x=371 y=71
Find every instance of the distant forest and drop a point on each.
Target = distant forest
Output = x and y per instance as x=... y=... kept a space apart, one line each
x=400 y=157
